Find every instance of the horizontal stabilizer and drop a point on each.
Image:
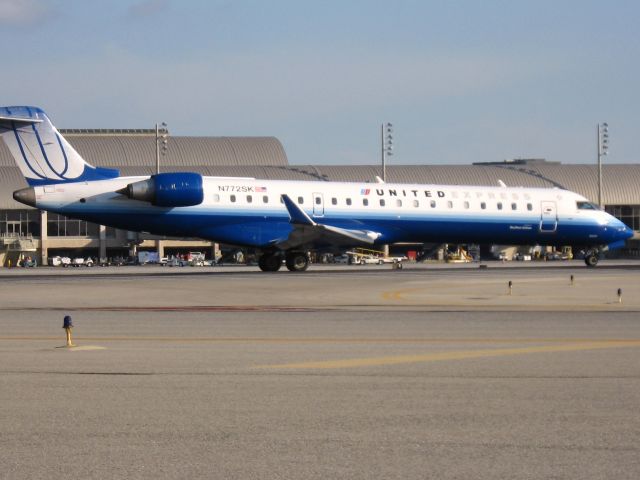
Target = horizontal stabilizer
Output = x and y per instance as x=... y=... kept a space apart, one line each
x=8 y=122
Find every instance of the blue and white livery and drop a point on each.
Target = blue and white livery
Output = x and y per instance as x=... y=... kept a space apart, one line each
x=285 y=219
x=43 y=155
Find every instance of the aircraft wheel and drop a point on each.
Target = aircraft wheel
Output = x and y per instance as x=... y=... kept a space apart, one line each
x=297 y=262
x=591 y=260
x=269 y=263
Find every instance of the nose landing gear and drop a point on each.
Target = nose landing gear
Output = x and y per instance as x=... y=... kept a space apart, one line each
x=591 y=258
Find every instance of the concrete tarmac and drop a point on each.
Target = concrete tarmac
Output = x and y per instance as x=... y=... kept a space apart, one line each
x=353 y=372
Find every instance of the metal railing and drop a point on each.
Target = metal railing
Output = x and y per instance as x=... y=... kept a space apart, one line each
x=18 y=242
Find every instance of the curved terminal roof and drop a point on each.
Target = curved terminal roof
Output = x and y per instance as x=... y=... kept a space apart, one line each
x=134 y=150
x=264 y=157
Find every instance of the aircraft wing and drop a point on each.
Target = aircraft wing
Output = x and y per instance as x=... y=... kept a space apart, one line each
x=306 y=230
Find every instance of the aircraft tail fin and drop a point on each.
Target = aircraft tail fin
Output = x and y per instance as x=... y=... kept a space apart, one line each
x=42 y=154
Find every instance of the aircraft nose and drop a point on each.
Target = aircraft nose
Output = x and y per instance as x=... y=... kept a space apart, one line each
x=26 y=196
x=621 y=231
x=627 y=232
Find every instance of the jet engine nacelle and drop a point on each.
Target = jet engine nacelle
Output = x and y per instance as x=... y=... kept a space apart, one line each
x=178 y=189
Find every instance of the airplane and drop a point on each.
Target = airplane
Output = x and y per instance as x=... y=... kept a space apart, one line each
x=286 y=219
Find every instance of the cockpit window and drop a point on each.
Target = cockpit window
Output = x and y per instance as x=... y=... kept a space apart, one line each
x=586 y=206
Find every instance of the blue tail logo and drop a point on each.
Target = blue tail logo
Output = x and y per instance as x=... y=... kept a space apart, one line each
x=42 y=154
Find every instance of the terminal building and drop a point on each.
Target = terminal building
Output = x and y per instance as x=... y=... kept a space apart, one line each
x=28 y=231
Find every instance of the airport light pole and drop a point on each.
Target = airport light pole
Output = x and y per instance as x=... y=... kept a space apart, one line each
x=386 y=143
x=162 y=135
x=603 y=149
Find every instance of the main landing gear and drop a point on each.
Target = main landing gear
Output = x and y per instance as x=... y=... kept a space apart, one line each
x=270 y=262
x=295 y=261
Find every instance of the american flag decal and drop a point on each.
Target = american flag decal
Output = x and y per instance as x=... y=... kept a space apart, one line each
x=261 y=189
x=364 y=191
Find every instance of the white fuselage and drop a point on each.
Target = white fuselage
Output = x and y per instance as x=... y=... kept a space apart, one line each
x=398 y=212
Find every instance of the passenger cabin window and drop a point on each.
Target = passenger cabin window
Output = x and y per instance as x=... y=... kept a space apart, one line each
x=365 y=201
x=348 y=201
x=265 y=199
x=249 y=199
x=382 y=202
x=483 y=205
x=300 y=200
x=416 y=203
x=318 y=200
x=499 y=205
x=586 y=206
x=232 y=198
x=514 y=206
x=216 y=197
x=529 y=207
x=433 y=204
x=334 y=201
x=466 y=205
x=398 y=203
x=450 y=204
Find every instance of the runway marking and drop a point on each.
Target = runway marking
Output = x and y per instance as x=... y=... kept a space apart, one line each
x=81 y=348
x=321 y=340
x=173 y=308
x=442 y=356
x=440 y=294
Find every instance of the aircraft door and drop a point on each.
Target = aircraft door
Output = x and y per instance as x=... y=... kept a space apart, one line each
x=318 y=205
x=548 y=217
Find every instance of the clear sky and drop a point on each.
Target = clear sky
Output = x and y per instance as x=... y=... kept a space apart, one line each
x=462 y=81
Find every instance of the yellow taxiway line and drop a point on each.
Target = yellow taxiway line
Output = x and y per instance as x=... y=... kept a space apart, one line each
x=454 y=355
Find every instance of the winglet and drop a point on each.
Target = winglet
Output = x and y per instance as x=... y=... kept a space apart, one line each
x=296 y=214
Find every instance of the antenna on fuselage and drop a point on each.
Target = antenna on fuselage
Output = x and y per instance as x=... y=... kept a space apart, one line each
x=379 y=180
x=502 y=184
